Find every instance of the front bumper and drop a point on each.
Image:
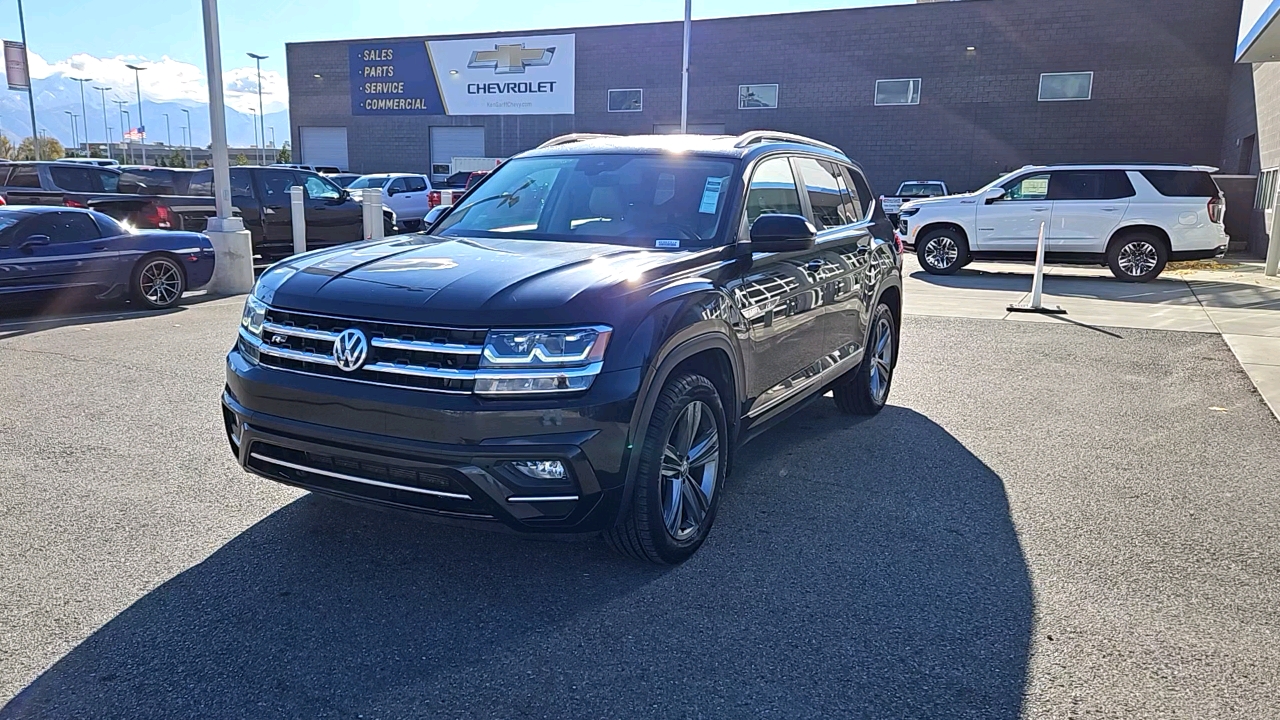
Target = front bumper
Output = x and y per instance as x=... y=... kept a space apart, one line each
x=443 y=455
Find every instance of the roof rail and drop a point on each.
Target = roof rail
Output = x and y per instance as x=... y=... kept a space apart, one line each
x=758 y=136
x=573 y=138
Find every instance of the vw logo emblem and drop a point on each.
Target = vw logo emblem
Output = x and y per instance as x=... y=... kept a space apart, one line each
x=350 y=350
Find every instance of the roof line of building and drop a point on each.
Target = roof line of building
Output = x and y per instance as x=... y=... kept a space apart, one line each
x=932 y=7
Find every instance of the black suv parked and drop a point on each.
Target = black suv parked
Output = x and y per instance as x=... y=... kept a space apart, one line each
x=581 y=342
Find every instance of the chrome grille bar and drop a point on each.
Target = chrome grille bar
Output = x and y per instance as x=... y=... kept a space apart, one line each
x=355 y=479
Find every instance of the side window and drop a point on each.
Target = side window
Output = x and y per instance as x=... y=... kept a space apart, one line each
x=202 y=183
x=10 y=224
x=398 y=186
x=25 y=177
x=275 y=186
x=1028 y=187
x=862 y=196
x=1090 y=185
x=108 y=226
x=825 y=197
x=107 y=181
x=64 y=227
x=241 y=183
x=72 y=179
x=317 y=188
x=417 y=183
x=772 y=190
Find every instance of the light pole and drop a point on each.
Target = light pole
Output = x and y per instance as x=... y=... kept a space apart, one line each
x=31 y=98
x=262 y=123
x=256 y=142
x=184 y=129
x=142 y=125
x=106 y=129
x=684 y=73
x=190 y=138
x=168 y=133
x=124 y=124
x=84 y=112
x=74 y=140
x=273 y=139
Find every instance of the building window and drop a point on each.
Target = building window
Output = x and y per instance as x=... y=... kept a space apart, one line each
x=1266 y=197
x=898 y=92
x=626 y=100
x=757 y=97
x=1055 y=87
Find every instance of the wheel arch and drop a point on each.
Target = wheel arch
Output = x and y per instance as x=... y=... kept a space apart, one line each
x=945 y=225
x=713 y=354
x=1140 y=228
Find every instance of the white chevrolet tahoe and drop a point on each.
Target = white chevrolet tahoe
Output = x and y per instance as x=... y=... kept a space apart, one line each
x=1131 y=218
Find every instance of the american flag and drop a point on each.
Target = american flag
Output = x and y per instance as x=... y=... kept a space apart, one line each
x=135 y=135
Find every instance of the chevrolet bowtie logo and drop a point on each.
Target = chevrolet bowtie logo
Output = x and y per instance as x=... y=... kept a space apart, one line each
x=507 y=59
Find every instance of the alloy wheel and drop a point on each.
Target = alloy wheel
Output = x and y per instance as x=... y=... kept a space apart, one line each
x=881 y=360
x=941 y=252
x=160 y=282
x=1138 y=258
x=690 y=464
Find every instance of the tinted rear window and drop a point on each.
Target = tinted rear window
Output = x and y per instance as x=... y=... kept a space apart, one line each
x=1090 y=185
x=920 y=190
x=151 y=181
x=85 y=178
x=1182 y=183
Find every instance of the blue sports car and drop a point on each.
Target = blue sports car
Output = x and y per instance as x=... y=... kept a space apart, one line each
x=51 y=248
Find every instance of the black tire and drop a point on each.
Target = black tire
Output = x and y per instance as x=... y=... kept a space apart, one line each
x=157 y=282
x=643 y=532
x=942 y=252
x=1137 y=257
x=866 y=390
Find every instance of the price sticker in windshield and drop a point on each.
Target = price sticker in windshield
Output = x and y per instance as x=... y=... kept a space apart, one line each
x=711 y=195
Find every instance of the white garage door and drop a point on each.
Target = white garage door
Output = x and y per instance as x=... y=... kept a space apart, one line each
x=324 y=146
x=448 y=143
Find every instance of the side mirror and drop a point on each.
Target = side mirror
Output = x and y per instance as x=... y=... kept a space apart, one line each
x=391 y=191
x=34 y=241
x=993 y=195
x=782 y=233
x=433 y=215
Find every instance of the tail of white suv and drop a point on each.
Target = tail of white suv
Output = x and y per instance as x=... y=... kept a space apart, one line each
x=1132 y=218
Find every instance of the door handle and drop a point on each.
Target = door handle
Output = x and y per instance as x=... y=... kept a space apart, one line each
x=1040 y=209
x=98 y=247
x=1109 y=209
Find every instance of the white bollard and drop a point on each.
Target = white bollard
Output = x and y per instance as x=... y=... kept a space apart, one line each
x=1273 y=252
x=233 y=257
x=371 y=202
x=298 y=211
x=1037 y=285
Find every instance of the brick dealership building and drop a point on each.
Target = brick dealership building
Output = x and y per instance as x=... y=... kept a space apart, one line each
x=957 y=91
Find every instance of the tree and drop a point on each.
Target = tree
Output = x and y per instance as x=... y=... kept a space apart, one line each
x=284 y=156
x=50 y=149
x=241 y=159
x=177 y=159
x=7 y=150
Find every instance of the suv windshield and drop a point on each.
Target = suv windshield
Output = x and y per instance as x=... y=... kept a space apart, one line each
x=920 y=190
x=663 y=201
x=369 y=181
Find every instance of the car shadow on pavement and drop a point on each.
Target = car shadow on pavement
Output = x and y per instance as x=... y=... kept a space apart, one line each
x=26 y=317
x=857 y=569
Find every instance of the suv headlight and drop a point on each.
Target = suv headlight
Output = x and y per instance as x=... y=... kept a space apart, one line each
x=909 y=212
x=523 y=362
x=254 y=314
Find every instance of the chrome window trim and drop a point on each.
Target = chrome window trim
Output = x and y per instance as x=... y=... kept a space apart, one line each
x=365 y=481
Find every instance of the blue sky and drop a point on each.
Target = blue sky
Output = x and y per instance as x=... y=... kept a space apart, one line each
x=151 y=29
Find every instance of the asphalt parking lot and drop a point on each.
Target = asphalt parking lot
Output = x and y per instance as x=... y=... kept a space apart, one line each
x=1050 y=521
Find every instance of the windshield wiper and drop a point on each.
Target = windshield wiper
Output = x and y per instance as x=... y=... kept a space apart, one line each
x=512 y=196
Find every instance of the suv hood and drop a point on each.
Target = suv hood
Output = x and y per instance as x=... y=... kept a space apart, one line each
x=963 y=199
x=462 y=281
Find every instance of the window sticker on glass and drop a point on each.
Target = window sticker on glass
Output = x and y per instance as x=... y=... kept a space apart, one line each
x=667 y=243
x=1036 y=186
x=711 y=195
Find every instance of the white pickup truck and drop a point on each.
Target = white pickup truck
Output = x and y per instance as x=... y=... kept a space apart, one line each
x=911 y=190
